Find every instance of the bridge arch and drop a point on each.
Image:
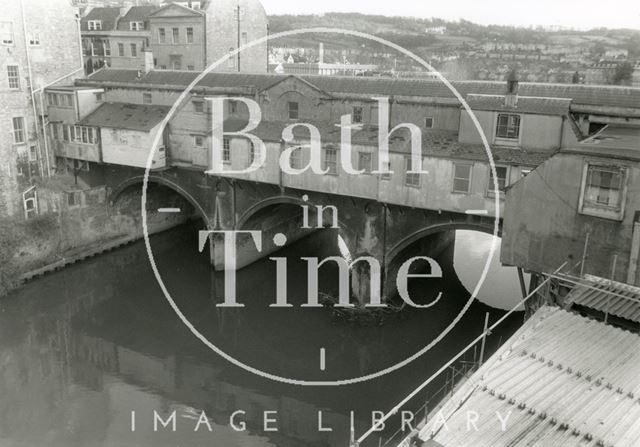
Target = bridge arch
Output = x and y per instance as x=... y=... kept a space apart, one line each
x=139 y=180
x=399 y=247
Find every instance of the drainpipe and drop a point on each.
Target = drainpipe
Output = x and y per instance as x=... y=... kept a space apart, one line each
x=78 y=22
x=44 y=134
x=31 y=92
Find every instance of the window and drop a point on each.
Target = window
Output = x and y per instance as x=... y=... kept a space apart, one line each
x=176 y=64
x=6 y=33
x=428 y=122
x=93 y=49
x=462 y=178
x=79 y=134
x=226 y=150
x=364 y=162
x=54 y=131
x=296 y=158
x=106 y=48
x=189 y=35
x=134 y=50
x=252 y=152
x=99 y=97
x=147 y=98
x=386 y=176
x=231 y=61
x=410 y=179
x=292 y=110
x=176 y=35
x=198 y=141
x=162 y=36
x=13 y=74
x=121 y=49
x=508 y=126
x=34 y=39
x=190 y=67
x=18 y=130
x=198 y=106
x=501 y=172
x=357 y=114
x=330 y=160
x=33 y=153
x=94 y=25
x=136 y=26
x=195 y=5
x=603 y=191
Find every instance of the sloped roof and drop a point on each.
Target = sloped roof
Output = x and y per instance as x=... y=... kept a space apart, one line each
x=564 y=380
x=178 y=11
x=135 y=14
x=126 y=116
x=593 y=95
x=603 y=295
x=108 y=16
x=525 y=104
x=437 y=143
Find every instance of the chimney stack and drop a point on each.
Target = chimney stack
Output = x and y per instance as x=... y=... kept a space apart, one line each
x=511 y=97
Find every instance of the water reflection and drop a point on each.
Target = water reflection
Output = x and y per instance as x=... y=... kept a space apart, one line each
x=83 y=348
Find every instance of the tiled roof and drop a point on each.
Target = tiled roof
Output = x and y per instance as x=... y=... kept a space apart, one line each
x=562 y=379
x=126 y=116
x=108 y=16
x=621 y=300
x=593 y=95
x=135 y=14
x=525 y=104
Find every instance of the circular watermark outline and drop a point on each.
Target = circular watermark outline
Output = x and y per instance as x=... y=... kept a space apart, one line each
x=205 y=340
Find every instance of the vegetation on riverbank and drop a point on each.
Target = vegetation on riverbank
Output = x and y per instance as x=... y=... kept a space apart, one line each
x=18 y=237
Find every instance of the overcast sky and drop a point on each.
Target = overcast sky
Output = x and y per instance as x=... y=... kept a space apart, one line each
x=568 y=13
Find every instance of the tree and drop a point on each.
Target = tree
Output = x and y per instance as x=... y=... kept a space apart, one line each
x=623 y=74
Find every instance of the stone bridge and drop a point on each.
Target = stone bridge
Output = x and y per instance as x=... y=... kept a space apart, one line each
x=391 y=233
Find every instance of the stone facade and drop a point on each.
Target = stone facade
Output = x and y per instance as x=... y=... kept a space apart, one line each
x=40 y=44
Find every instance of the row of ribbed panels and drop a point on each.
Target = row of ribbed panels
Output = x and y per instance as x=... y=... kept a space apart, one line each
x=561 y=380
x=614 y=298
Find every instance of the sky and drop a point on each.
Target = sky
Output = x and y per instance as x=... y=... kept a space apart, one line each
x=579 y=14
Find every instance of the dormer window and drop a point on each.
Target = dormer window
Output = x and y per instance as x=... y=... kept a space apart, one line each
x=94 y=25
x=136 y=26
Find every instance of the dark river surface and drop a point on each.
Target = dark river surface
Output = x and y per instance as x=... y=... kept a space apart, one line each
x=83 y=349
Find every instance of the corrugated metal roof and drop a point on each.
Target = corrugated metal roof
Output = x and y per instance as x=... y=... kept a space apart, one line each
x=607 y=96
x=127 y=116
x=562 y=379
x=525 y=104
x=621 y=300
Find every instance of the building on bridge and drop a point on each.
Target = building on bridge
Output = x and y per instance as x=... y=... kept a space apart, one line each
x=527 y=126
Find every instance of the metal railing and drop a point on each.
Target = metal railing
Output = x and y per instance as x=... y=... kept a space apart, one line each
x=446 y=366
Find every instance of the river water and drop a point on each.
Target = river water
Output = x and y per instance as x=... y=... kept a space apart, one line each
x=90 y=354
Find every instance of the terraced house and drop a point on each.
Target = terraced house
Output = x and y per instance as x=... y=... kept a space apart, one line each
x=39 y=46
x=175 y=35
